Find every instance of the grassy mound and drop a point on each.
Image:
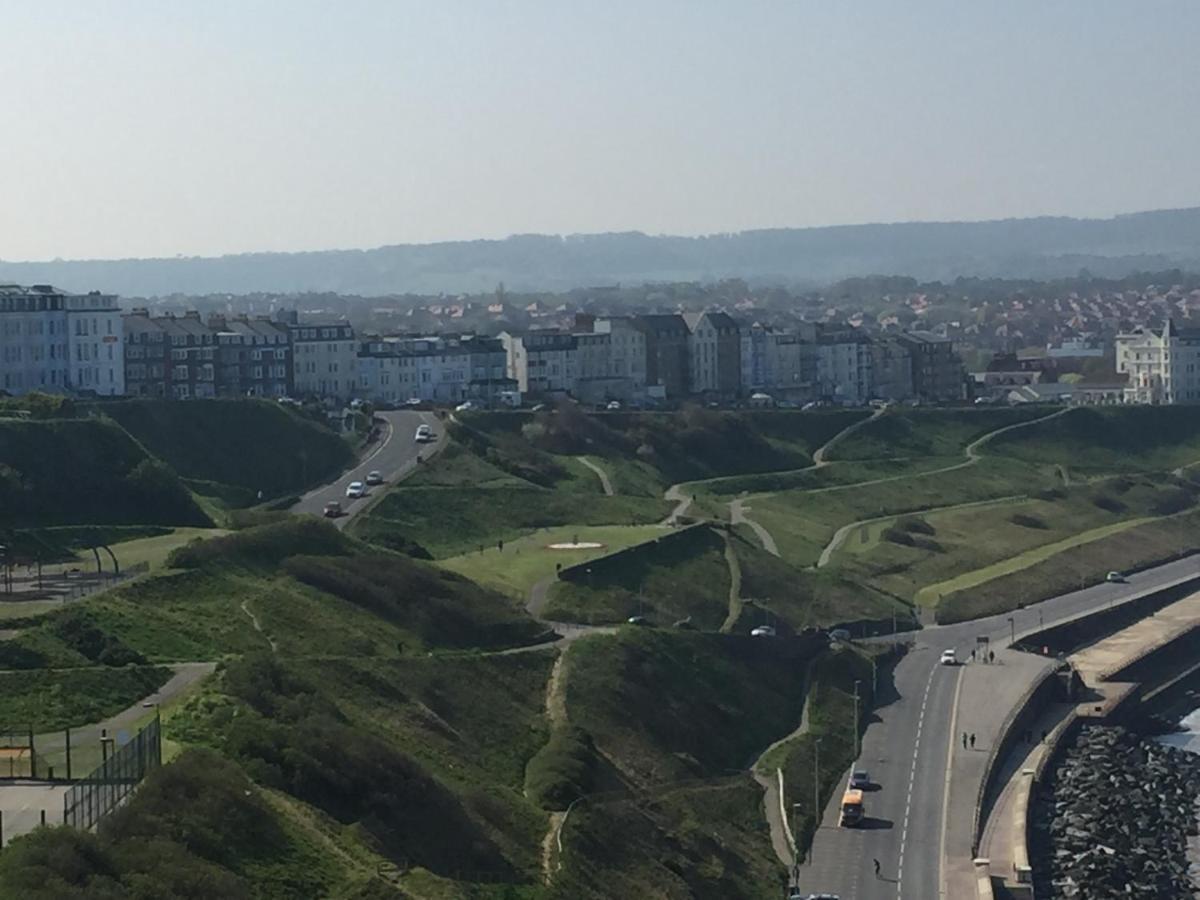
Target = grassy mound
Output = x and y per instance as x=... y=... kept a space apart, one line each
x=426 y=757
x=681 y=575
x=85 y=472
x=263 y=545
x=234 y=448
x=661 y=706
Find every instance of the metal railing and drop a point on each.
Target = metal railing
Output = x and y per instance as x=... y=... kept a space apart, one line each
x=93 y=797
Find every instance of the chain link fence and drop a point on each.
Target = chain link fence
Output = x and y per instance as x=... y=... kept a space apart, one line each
x=93 y=797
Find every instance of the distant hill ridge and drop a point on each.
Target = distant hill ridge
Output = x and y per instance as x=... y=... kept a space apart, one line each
x=1046 y=247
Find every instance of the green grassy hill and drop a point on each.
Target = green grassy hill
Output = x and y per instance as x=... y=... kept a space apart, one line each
x=85 y=472
x=907 y=432
x=238 y=447
x=1111 y=439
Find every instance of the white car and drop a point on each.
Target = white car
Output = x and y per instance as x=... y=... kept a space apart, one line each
x=424 y=434
x=949 y=657
x=374 y=477
x=1115 y=578
x=763 y=631
x=465 y=406
x=613 y=405
x=356 y=489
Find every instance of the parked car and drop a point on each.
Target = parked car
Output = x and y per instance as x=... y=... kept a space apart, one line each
x=332 y=510
x=949 y=657
x=637 y=620
x=374 y=477
x=465 y=406
x=612 y=405
x=839 y=634
x=763 y=631
x=1115 y=578
x=424 y=434
x=356 y=489
x=860 y=780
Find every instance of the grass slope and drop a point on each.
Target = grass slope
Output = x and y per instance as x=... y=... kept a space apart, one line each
x=245 y=444
x=680 y=576
x=905 y=432
x=1110 y=439
x=53 y=700
x=85 y=472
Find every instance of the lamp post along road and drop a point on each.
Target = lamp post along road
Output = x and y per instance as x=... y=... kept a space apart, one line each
x=856 y=684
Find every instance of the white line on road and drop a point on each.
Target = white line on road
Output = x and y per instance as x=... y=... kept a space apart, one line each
x=912 y=777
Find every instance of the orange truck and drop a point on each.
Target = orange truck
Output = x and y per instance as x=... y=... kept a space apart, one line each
x=852 y=809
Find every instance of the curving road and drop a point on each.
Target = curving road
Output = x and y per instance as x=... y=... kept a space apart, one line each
x=907 y=746
x=394 y=457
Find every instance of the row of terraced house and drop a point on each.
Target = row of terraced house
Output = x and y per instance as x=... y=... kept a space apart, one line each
x=51 y=340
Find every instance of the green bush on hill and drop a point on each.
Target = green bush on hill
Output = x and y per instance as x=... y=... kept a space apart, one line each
x=246 y=444
x=67 y=698
x=197 y=828
x=85 y=472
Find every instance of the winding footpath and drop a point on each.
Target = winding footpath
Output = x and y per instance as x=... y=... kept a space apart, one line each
x=600 y=473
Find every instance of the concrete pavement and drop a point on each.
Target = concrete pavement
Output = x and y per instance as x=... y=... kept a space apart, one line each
x=394 y=457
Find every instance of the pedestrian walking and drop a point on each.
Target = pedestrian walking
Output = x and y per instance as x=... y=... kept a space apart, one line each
x=972 y=740
x=991 y=656
x=964 y=740
x=876 y=867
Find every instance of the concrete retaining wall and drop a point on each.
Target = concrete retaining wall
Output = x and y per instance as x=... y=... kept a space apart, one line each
x=1087 y=628
x=603 y=565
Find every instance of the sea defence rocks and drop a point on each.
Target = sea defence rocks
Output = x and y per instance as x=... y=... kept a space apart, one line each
x=1116 y=819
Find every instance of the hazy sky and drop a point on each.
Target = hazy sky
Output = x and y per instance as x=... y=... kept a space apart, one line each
x=155 y=128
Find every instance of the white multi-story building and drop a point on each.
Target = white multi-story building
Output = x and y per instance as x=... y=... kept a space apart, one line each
x=714 y=353
x=61 y=343
x=1162 y=368
x=541 y=362
x=435 y=369
x=324 y=360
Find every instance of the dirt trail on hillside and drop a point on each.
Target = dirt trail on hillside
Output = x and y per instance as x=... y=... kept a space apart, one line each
x=600 y=473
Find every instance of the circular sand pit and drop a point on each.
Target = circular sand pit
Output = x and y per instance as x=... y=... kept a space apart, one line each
x=575 y=545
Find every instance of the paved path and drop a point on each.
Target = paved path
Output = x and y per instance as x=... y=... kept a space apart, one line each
x=395 y=457
x=819 y=454
x=907 y=748
x=675 y=494
x=735 y=587
x=737 y=516
x=22 y=804
x=600 y=473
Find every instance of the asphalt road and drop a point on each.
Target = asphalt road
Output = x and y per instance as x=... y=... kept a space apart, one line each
x=393 y=457
x=906 y=749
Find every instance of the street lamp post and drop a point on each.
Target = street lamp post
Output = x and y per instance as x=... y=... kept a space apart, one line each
x=817 y=782
x=1012 y=627
x=856 y=684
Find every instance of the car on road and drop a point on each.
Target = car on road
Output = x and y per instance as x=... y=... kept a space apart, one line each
x=1114 y=578
x=853 y=810
x=839 y=634
x=949 y=657
x=465 y=406
x=613 y=405
x=356 y=489
x=332 y=510
x=762 y=631
x=637 y=620
x=860 y=780
x=424 y=434
x=374 y=477
x=797 y=894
